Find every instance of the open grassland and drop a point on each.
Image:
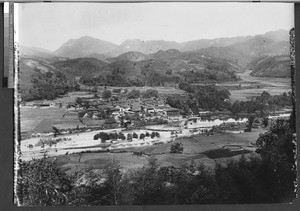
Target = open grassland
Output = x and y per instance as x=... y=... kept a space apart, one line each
x=197 y=148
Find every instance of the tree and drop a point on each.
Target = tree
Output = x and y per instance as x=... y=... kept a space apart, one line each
x=133 y=94
x=56 y=131
x=150 y=93
x=113 y=136
x=134 y=135
x=114 y=181
x=153 y=134
x=42 y=183
x=116 y=90
x=142 y=136
x=265 y=121
x=129 y=137
x=176 y=148
x=277 y=149
x=144 y=184
x=106 y=94
x=103 y=136
x=251 y=119
x=147 y=134
x=121 y=136
x=157 y=134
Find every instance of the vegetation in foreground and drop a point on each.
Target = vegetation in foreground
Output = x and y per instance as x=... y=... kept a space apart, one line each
x=266 y=179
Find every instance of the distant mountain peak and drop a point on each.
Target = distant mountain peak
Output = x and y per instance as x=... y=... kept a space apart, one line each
x=84 y=46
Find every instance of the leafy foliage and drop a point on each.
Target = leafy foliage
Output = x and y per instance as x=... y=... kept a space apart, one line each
x=277 y=149
x=133 y=94
x=176 y=148
x=49 y=86
x=106 y=94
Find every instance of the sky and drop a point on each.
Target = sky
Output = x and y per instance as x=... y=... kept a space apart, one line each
x=49 y=25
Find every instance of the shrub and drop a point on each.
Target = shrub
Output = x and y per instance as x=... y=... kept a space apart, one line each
x=177 y=148
x=96 y=137
x=113 y=136
x=134 y=135
x=43 y=184
x=121 y=136
x=129 y=137
x=142 y=136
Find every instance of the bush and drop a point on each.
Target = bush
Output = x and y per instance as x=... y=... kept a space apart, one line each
x=129 y=137
x=147 y=134
x=177 y=148
x=142 y=136
x=153 y=134
x=96 y=137
x=121 y=136
x=113 y=136
x=134 y=135
x=43 y=184
x=133 y=94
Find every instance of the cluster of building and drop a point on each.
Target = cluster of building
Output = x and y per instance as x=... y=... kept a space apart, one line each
x=90 y=107
x=147 y=108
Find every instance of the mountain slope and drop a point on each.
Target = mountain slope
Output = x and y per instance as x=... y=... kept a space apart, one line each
x=34 y=52
x=271 y=66
x=79 y=67
x=84 y=46
x=145 y=47
x=130 y=56
x=136 y=69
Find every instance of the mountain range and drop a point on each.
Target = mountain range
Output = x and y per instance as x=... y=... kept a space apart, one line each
x=92 y=47
x=136 y=62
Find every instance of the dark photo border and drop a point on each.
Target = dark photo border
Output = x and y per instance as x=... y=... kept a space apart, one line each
x=7 y=152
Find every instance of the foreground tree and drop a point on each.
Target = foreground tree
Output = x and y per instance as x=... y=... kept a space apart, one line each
x=42 y=183
x=277 y=150
x=114 y=182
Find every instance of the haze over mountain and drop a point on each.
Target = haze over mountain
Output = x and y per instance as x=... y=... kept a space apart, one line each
x=92 y=47
x=137 y=63
x=84 y=46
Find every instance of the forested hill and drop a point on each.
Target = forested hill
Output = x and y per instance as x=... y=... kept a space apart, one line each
x=80 y=67
x=271 y=66
x=136 y=69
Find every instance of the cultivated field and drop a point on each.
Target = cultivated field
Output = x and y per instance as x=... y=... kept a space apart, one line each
x=275 y=86
x=198 y=148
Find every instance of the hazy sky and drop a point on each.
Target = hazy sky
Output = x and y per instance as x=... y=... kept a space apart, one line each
x=48 y=26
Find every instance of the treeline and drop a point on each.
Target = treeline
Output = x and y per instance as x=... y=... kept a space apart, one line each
x=110 y=80
x=117 y=79
x=211 y=75
x=267 y=178
x=211 y=98
x=49 y=86
x=114 y=136
x=263 y=103
x=204 y=97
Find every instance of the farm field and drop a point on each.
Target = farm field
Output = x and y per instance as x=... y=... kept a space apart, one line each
x=36 y=120
x=275 y=86
x=195 y=148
